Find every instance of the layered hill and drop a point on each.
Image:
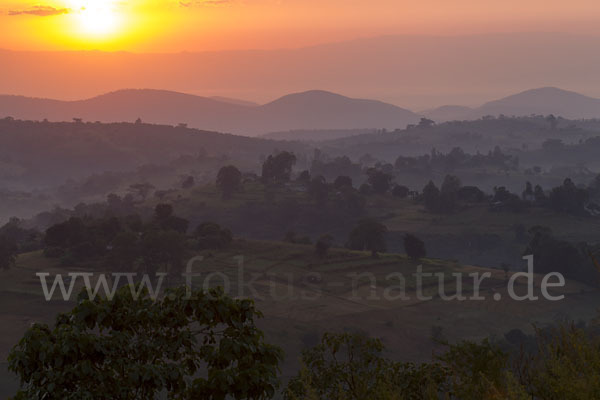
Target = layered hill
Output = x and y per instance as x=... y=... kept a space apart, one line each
x=307 y=110
x=414 y=71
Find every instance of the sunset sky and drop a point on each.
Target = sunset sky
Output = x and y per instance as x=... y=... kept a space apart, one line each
x=196 y=25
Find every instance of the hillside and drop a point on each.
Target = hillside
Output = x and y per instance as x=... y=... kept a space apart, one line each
x=317 y=135
x=47 y=153
x=319 y=109
x=480 y=135
x=303 y=296
x=307 y=110
x=542 y=101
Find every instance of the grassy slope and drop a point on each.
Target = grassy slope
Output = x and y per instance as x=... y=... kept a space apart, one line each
x=474 y=235
x=400 y=214
x=296 y=322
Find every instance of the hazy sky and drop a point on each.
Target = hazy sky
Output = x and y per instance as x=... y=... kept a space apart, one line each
x=444 y=51
x=194 y=25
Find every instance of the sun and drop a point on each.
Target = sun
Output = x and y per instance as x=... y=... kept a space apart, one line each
x=97 y=17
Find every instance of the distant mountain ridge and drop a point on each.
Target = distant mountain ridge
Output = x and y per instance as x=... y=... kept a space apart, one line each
x=412 y=71
x=314 y=109
x=541 y=101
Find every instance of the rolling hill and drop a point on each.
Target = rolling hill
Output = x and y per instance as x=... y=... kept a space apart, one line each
x=413 y=71
x=547 y=100
x=541 y=101
x=307 y=110
x=302 y=296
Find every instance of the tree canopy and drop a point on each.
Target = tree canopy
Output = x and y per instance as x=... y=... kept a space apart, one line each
x=368 y=235
x=229 y=180
x=278 y=169
x=203 y=346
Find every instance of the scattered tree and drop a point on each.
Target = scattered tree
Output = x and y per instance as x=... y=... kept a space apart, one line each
x=318 y=190
x=414 y=247
x=210 y=236
x=426 y=123
x=278 y=169
x=229 y=180
x=368 y=235
x=431 y=197
x=342 y=181
x=379 y=181
x=8 y=252
x=568 y=198
x=322 y=245
x=400 y=191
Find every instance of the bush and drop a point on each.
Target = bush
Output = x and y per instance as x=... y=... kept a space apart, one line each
x=414 y=247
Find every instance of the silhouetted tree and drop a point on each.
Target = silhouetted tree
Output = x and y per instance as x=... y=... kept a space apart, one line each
x=163 y=215
x=8 y=252
x=229 y=180
x=163 y=250
x=501 y=194
x=368 y=235
x=555 y=255
x=400 y=191
x=66 y=234
x=26 y=239
x=470 y=194
x=196 y=345
x=278 y=169
x=528 y=192
x=210 y=236
x=414 y=247
x=539 y=195
x=449 y=193
x=318 y=190
x=378 y=180
x=350 y=200
x=431 y=197
x=568 y=198
x=451 y=184
x=426 y=122
x=322 y=245
x=342 y=181
x=125 y=250
x=552 y=121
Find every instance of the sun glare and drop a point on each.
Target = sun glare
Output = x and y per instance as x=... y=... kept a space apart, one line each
x=97 y=17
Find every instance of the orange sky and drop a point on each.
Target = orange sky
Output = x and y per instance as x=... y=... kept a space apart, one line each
x=195 y=25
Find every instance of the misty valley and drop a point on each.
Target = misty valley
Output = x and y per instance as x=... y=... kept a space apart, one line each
x=439 y=259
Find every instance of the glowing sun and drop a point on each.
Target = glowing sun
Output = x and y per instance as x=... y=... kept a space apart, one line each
x=97 y=17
